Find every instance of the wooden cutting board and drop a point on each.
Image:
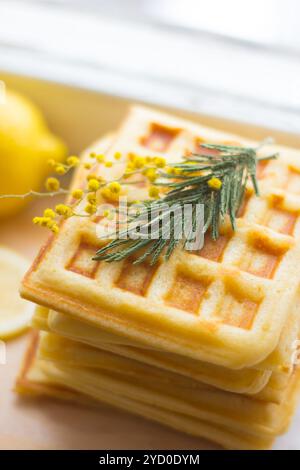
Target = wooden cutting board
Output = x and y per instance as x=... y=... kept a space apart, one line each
x=28 y=423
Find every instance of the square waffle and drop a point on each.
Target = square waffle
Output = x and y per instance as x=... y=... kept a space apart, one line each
x=265 y=385
x=242 y=381
x=233 y=421
x=227 y=304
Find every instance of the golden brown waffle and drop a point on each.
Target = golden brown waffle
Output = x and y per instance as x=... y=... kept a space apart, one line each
x=38 y=385
x=227 y=304
x=34 y=382
x=243 y=381
x=198 y=399
x=266 y=386
x=233 y=421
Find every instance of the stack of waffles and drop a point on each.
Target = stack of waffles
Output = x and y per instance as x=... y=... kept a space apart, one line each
x=204 y=343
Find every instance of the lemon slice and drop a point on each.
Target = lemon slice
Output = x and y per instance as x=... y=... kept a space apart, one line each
x=15 y=313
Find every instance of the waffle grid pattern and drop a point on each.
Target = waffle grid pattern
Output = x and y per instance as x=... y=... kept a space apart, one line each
x=230 y=283
x=260 y=253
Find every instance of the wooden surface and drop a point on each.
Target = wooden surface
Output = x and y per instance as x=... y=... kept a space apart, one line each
x=28 y=423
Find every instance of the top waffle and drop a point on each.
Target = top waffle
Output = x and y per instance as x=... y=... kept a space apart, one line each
x=226 y=304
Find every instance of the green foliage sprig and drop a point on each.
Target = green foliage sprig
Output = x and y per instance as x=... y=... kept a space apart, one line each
x=215 y=177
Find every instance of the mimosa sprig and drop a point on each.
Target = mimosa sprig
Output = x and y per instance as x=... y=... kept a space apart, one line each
x=215 y=177
x=218 y=181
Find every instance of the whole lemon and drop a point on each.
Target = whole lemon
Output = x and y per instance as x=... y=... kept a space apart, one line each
x=26 y=144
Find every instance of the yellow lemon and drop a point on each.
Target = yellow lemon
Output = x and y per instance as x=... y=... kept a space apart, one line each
x=26 y=145
x=15 y=313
